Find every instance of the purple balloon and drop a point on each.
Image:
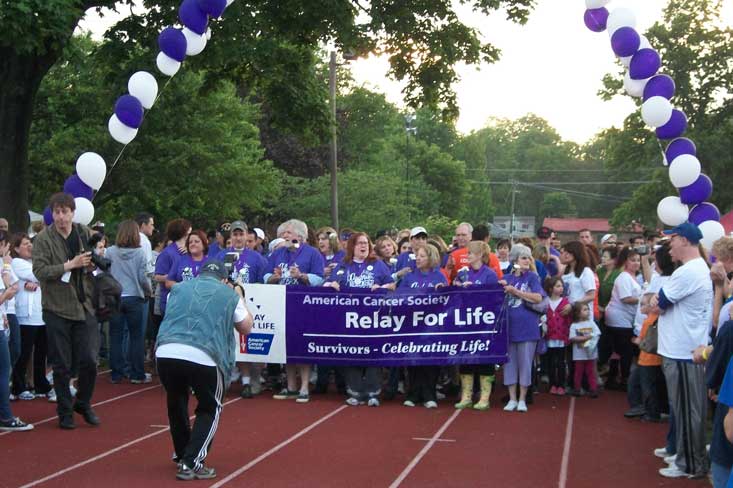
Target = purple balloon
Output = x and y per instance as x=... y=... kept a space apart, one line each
x=595 y=19
x=644 y=64
x=193 y=17
x=213 y=7
x=173 y=43
x=77 y=188
x=704 y=212
x=697 y=192
x=625 y=42
x=678 y=147
x=47 y=216
x=129 y=110
x=675 y=127
x=659 y=86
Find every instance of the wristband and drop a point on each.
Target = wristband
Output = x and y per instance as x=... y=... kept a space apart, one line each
x=705 y=354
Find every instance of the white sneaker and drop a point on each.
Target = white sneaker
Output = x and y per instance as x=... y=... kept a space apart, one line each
x=430 y=404
x=408 y=403
x=521 y=407
x=26 y=395
x=511 y=406
x=672 y=471
x=234 y=377
x=661 y=452
x=353 y=401
x=373 y=402
x=49 y=377
x=51 y=395
x=670 y=459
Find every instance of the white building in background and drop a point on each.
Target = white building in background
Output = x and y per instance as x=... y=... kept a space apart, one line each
x=524 y=226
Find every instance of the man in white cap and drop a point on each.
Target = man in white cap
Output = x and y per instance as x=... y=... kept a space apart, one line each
x=406 y=260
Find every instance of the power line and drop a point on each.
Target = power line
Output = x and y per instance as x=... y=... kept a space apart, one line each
x=512 y=170
x=579 y=183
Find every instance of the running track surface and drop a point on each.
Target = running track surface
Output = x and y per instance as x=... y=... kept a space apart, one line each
x=561 y=442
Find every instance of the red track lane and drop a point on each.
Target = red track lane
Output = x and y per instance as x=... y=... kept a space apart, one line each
x=246 y=430
x=609 y=450
x=359 y=447
x=47 y=448
x=497 y=448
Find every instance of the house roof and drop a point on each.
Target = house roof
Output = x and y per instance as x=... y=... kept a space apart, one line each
x=574 y=225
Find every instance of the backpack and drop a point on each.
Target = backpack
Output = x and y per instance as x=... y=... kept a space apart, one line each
x=106 y=296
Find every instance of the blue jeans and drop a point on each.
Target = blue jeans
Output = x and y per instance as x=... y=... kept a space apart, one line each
x=130 y=319
x=720 y=475
x=14 y=339
x=5 y=413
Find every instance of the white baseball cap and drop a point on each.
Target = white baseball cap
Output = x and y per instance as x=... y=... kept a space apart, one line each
x=417 y=231
x=260 y=233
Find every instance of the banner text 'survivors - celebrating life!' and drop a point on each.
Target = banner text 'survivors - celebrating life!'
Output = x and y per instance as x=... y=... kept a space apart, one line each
x=357 y=327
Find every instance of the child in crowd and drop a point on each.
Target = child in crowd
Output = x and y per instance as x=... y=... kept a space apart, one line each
x=558 y=325
x=584 y=334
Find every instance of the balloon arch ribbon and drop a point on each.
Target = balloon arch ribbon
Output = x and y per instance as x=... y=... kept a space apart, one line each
x=633 y=50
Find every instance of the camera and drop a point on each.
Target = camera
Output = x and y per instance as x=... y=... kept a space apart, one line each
x=229 y=259
x=99 y=261
x=642 y=250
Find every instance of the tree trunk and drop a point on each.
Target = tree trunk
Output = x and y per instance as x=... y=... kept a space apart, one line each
x=21 y=75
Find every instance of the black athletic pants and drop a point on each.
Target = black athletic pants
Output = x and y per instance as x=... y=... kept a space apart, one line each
x=422 y=382
x=179 y=377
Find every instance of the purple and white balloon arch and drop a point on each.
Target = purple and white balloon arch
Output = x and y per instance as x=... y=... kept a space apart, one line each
x=633 y=50
x=657 y=90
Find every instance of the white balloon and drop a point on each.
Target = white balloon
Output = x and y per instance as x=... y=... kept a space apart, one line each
x=591 y=4
x=229 y=2
x=119 y=131
x=684 y=170
x=671 y=211
x=144 y=87
x=84 y=212
x=194 y=43
x=620 y=17
x=625 y=61
x=167 y=65
x=635 y=88
x=208 y=34
x=91 y=169
x=656 y=111
x=711 y=232
x=644 y=44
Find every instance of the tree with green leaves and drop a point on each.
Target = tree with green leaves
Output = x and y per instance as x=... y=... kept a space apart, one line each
x=264 y=46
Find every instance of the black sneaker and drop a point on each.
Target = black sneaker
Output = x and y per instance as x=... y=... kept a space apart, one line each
x=246 y=391
x=14 y=425
x=66 y=422
x=187 y=474
x=634 y=412
x=89 y=416
x=286 y=394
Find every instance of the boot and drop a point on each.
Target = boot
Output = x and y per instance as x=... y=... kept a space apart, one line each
x=483 y=403
x=466 y=392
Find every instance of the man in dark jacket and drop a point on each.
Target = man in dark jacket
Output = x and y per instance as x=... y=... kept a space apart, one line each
x=61 y=262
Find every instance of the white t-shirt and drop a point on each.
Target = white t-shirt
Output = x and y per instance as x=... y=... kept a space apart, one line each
x=686 y=323
x=8 y=307
x=578 y=287
x=583 y=351
x=148 y=250
x=618 y=313
x=175 y=350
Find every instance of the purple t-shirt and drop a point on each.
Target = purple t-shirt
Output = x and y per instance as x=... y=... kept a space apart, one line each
x=214 y=249
x=523 y=322
x=249 y=268
x=337 y=258
x=362 y=275
x=186 y=268
x=420 y=279
x=406 y=260
x=482 y=276
x=163 y=265
x=308 y=259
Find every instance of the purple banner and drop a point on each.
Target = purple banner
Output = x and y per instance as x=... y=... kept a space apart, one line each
x=357 y=327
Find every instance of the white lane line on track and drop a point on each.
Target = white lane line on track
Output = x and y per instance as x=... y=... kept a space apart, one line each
x=272 y=451
x=424 y=450
x=104 y=454
x=49 y=419
x=436 y=440
x=566 y=448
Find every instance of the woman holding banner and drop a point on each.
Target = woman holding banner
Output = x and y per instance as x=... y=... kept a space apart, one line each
x=522 y=287
x=362 y=269
x=423 y=379
x=477 y=273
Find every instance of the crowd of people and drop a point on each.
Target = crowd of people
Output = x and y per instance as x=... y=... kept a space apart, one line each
x=649 y=317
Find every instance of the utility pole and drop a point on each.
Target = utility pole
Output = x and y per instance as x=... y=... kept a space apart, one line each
x=511 y=224
x=334 y=141
x=409 y=119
